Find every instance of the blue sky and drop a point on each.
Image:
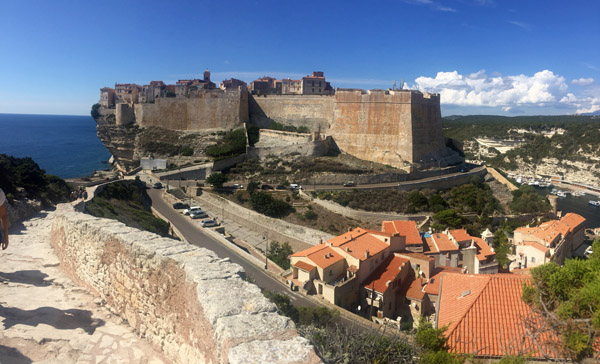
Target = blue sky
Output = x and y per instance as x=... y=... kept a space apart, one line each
x=483 y=56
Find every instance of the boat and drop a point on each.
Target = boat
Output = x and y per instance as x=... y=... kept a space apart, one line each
x=578 y=193
x=544 y=184
x=554 y=191
x=595 y=203
x=561 y=194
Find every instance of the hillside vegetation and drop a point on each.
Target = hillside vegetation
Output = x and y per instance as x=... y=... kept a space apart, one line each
x=127 y=202
x=23 y=178
x=578 y=143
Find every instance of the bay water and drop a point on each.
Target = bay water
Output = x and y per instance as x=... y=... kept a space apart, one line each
x=64 y=145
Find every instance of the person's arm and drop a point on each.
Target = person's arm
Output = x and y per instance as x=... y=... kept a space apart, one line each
x=4 y=219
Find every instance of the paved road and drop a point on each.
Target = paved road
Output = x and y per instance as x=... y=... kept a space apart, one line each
x=194 y=235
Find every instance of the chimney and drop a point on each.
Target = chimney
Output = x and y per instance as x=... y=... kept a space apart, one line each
x=367 y=254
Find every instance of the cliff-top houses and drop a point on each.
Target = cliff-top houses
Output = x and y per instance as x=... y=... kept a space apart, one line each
x=131 y=93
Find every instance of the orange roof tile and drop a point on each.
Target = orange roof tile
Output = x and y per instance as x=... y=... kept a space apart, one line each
x=433 y=285
x=404 y=228
x=485 y=314
x=460 y=235
x=429 y=246
x=304 y=266
x=409 y=254
x=415 y=289
x=483 y=249
x=551 y=230
x=385 y=273
x=321 y=255
x=443 y=243
x=357 y=242
x=537 y=246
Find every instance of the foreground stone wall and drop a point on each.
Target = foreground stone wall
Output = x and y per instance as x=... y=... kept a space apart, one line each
x=195 y=307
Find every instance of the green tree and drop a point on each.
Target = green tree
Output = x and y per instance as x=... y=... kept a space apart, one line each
x=252 y=187
x=417 y=200
x=447 y=219
x=268 y=205
x=279 y=254
x=434 y=345
x=95 y=111
x=568 y=297
x=217 y=179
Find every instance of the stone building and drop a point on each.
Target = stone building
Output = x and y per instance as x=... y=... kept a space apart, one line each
x=151 y=92
x=555 y=239
x=232 y=84
x=127 y=93
x=107 y=97
x=291 y=87
x=265 y=86
x=316 y=84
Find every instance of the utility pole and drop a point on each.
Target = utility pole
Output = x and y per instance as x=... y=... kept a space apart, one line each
x=266 y=239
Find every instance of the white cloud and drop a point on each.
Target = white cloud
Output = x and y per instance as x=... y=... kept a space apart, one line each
x=432 y=4
x=543 y=89
x=583 y=81
x=520 y=24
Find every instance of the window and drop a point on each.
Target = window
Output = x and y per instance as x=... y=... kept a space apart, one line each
x=331 y=272
x=532 y=259
x=313 y=90
x=319 y=83
x=313 y=83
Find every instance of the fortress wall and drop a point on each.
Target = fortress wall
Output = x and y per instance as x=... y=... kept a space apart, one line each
x=428 y=141
x=312 y=111
x=215 y=109
x=266 y=136
x=374 y=125
x=194 y=306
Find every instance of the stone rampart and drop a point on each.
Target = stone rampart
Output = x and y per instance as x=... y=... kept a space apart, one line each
x=195 y=307
x=277 y=229
x=398 y=128
x=312 y=111
x=214 y=109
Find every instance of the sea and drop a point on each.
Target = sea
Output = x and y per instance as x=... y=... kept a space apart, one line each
x=64 y=145
x=579 y=205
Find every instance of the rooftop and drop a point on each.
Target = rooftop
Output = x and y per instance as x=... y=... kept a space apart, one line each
x=404 y=228
x=357 y=242
x=385 y=273
x=485 y=314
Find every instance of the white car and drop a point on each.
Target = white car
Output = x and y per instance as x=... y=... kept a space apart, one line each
x=209 y=223
x=198 y=214
x=192 y=209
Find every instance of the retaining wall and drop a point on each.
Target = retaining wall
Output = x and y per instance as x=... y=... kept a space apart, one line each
x=192 y=305
x=278 y=230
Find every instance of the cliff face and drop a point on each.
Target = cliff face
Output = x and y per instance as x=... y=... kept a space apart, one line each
x=118 y=139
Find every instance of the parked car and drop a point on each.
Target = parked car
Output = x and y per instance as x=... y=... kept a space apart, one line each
x=281 y=187
x=238 y=186
x=209 y=223
x=266 y=187
x=349 y=184
x=198 y=215
x=294 y=186
x=192 y=209
x=158 y=185
x=180 y=205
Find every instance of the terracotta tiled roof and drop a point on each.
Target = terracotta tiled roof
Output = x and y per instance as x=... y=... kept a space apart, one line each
x=433 y=286
x=429 y=246
x=460 y=235
x=485 y=314
x=304 y=266
x=415 y=289
x=386 y=273
x=409 y=254
x=484 y=251
x=321 y=255
x=537 y=246
x=357 y=242
x=404 y=228
x=551 y=230
x=443 y=243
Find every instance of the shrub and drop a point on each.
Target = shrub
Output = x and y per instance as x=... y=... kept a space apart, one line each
x=233 y=143
x=267 y=205
x=95 y=113
x=279 y=254
x=187 y=151
x=217 y=179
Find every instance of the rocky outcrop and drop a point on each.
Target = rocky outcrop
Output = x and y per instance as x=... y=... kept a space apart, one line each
x=195 y=307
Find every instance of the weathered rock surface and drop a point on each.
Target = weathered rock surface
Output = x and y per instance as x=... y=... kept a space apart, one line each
x=46 y=318
x=185 y=300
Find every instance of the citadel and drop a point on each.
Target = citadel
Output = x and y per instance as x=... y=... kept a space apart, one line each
x=395 y=127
